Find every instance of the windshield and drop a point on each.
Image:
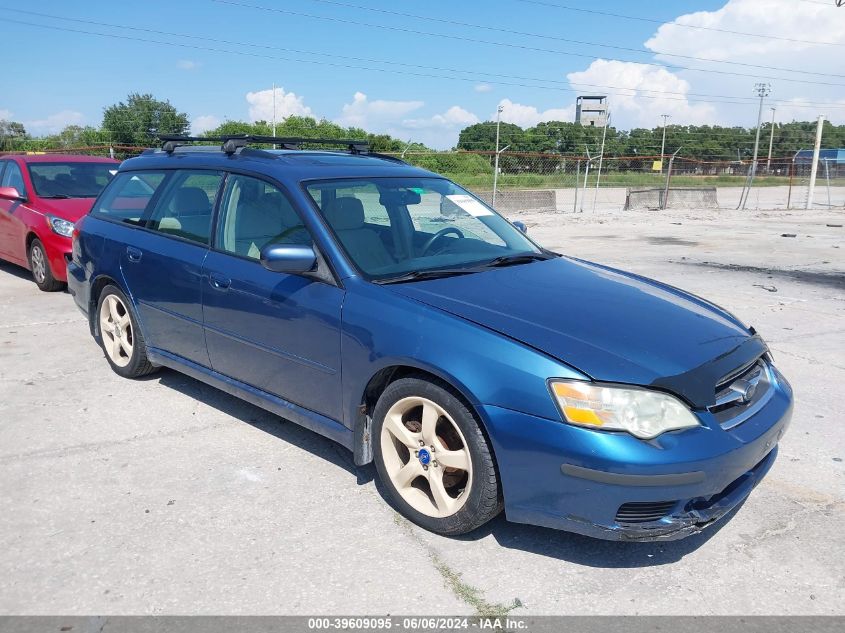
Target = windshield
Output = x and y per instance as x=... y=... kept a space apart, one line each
x=70 y=180
x=391 y=227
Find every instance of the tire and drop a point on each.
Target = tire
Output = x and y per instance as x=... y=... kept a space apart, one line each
x=39 y=265
x=119 y=335
x=454 y=459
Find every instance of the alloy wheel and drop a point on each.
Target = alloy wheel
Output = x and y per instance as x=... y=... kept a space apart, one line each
x=116 y=330
x=426 y=457
x=39 y=264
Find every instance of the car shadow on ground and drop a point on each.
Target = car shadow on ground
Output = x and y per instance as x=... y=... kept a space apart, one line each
x=257 y=417
x=564 y=546
x=8 y=268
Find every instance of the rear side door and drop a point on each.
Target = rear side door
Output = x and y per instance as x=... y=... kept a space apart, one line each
x=162 y=264
x=278 y=333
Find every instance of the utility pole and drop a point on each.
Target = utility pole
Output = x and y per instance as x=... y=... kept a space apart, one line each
x=496 y=165
x=815 y=170
x=663 y=144
x=601 y=158
x=763 y=91
x=274 y=109
x=771 y=142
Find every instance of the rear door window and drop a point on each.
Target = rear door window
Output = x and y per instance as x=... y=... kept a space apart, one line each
x=184 y=209
x=127 y=197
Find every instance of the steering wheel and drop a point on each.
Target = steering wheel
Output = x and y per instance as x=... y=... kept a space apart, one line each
x=438 y=235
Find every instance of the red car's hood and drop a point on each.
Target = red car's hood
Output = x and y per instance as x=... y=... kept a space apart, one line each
x=70 y=209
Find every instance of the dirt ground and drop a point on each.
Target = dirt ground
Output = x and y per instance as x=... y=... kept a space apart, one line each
x=167 y=496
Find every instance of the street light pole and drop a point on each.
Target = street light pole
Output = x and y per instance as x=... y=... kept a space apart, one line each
x=496 y=165
x=663 y=144
x=771 y=142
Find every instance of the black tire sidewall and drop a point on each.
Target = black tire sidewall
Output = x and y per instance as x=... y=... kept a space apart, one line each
x=477 y=510
x=137 y=362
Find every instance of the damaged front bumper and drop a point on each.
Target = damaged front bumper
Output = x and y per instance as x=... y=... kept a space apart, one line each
x=614 y=486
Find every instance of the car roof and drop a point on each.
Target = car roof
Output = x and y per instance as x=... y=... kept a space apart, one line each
x=294 y=165
x=60 y=158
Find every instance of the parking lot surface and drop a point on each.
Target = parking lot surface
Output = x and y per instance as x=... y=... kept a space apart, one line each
x=165 y=496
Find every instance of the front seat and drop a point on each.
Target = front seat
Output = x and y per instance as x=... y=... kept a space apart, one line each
x=346 y=216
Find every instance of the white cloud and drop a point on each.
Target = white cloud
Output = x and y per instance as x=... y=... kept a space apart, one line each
x=528 y=116
x=787 y=19
x=641 y=93
x=5 y=115
x=54 y=122
x=375 y=115
x=454 y=118
x=203 y=123
x=187 y=64
x=287 y=104
x=483 y=87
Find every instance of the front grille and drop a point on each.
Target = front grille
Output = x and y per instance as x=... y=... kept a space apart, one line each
x=643 y=511
x=742 y=393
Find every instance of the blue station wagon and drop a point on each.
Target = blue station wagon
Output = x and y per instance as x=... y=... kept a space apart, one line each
x=387 y=308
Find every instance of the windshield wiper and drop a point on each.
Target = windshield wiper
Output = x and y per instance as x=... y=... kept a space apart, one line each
x=57 y=196
x=512 y=260
x=419 y=275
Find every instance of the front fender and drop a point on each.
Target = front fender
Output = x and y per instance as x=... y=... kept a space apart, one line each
x=383 y=329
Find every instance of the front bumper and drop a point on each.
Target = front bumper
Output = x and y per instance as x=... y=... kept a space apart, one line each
x=565 y=477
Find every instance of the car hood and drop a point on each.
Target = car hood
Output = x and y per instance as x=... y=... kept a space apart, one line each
x=612 y=326
x=70 y=209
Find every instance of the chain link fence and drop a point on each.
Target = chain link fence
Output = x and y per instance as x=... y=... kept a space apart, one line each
x=535 y=182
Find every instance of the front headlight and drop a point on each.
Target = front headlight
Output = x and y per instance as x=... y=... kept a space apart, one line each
x=641 y=412
x=60 y=226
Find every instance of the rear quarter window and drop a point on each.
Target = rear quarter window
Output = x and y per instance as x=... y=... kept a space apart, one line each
x=127 y=197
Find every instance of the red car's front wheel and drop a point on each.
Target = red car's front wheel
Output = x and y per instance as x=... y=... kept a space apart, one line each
x=39 y=264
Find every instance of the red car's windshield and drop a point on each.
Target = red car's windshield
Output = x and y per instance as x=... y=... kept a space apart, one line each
x=70 y=180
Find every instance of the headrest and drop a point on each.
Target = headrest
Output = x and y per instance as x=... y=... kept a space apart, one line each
x=345 y=213
x=274 y=202
x=191 y=201
x=256 y=221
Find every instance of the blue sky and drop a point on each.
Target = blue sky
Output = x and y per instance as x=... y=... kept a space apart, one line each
x=66 y=75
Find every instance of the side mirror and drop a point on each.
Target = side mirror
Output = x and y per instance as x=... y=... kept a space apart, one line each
x=288 y=258
x=10 y=193
x=521 y=226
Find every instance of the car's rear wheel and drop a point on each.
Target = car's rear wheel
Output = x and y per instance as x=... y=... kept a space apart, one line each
x=40 y=267
x=119 y=335
x=433 y=458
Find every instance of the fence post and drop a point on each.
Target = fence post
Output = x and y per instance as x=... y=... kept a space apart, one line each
x=577 y=182
x=791 y=176
x=665 y=202
x=815 y=167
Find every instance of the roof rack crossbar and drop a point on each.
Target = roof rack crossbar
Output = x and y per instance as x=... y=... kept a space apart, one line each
x=232 y=142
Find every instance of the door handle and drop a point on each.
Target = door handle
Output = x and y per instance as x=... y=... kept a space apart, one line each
x=219 y=281
x=133 y=254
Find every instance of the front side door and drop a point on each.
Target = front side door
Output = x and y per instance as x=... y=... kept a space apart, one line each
x=12 y=228
x=162 y=265
x=279 y=333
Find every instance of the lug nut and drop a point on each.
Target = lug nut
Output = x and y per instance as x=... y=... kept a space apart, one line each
x=425 y=467
x=416 y=453
x=434 y=463
x=422 y=443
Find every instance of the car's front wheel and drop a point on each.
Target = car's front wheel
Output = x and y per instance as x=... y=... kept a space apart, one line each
x=120 y=336
x=433 y=458
x=40 y=267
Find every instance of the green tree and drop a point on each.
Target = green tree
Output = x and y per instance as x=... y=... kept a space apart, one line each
x=10 y=133
x=141 y=119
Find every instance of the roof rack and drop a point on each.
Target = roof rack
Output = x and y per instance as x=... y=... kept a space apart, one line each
x=231 y=143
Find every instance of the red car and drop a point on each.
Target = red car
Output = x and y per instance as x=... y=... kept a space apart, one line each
x=41 y=197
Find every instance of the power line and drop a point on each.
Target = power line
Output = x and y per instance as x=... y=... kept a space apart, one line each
x=688 y=26
x=563 y=39
x=502 y=44
x=631 y=92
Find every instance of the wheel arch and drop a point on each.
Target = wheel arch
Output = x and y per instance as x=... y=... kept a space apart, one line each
x=94 y=298
x=379 y=381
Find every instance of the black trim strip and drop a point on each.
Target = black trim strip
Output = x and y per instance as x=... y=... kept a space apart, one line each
x=618 y=479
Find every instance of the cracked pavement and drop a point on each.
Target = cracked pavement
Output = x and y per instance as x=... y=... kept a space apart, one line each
x=166 y=496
